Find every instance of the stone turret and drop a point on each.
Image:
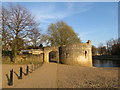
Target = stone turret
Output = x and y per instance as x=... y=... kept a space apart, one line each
x=89 y=42
x=77 y=54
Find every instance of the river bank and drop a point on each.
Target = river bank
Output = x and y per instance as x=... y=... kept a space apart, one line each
x=106 y=57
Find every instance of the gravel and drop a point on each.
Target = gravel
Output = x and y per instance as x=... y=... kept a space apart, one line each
x=87 y=77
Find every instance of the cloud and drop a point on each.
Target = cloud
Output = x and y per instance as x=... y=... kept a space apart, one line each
x=48 y=13
x=74 y=8
x=56 y=12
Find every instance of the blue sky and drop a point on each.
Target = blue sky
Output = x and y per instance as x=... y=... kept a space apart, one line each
x=95 y=21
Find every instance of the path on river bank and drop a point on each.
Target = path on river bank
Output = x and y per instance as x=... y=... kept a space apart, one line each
x=44 y=77
x=52 y=75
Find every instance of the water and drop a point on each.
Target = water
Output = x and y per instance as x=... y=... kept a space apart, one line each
x=101 y=63
x=106 y=63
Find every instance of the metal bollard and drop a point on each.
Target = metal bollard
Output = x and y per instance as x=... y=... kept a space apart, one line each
x=20 y=77
x=27 y=70
x=37 y=65
x=32 y=67
x=10 y=83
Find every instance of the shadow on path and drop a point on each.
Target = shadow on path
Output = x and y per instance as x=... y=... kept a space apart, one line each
x=8 y=79
x=16 y=74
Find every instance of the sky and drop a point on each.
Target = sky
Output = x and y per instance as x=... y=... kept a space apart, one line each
x=95 y=21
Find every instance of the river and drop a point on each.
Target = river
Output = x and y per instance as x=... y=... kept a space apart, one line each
x=106 y=63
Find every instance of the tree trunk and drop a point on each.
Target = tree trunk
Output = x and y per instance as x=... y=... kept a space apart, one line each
x=14 y=51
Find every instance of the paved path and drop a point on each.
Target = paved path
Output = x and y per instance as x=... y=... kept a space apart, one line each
x=52 y=75
x=43 y=77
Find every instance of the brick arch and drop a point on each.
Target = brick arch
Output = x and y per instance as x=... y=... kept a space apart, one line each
x=47 y=50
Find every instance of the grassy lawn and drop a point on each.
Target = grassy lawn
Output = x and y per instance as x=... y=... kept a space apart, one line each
x=7 y=62
x=19 y=62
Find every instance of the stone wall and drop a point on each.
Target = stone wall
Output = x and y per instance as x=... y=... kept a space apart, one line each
x=47 y=50
x=30 y=58
x=77 y=54
x=26 y=58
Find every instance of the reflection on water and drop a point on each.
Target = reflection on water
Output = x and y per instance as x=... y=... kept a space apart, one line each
x=106 y=63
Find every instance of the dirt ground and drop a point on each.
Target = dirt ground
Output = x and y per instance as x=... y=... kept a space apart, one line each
x=85 y=77
x=43 y=77
x=6 y=72
x=52 y=75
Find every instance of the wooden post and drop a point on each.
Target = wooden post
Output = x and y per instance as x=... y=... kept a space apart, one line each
x=27 y=70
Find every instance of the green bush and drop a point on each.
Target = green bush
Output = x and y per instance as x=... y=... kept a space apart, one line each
x=6 y=53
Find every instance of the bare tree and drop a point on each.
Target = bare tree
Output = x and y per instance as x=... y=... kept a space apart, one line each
x=44 y=40
x=110 y=43
x=35 y=37
x=20 y=25
x=5 y=30
x=102 y=49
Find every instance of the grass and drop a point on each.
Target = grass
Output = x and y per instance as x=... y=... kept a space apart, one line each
x=7 y=62
x=19 y=62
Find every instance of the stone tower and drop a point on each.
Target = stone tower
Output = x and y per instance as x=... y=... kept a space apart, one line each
x=76 y=54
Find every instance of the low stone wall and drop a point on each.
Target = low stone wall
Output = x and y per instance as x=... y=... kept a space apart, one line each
x=26 y=58
x=30 y=58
